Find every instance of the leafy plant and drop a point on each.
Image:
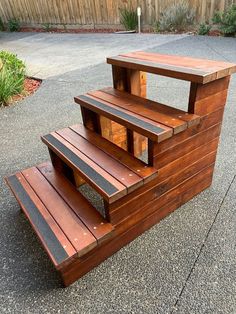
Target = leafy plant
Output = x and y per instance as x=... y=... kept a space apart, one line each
x=204 y=29
x=226 y=21
x=47 y=27
x=1 y=25
x=14 y=25
x=177 y=17
x=12 y=75
x=128 y=18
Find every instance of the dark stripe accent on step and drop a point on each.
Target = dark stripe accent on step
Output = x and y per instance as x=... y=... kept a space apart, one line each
x=105 y=185
x=38 y=221
x=134 y=120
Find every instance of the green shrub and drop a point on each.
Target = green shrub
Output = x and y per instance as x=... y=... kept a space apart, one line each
x=47 y=27
x=14 y=25
x=177 y=17
x=1 y=25
x=226 y=21
x=12 y=75
x=204 y=29
x=128 y=18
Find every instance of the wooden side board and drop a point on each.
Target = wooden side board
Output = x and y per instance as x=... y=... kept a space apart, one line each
x=131 y=228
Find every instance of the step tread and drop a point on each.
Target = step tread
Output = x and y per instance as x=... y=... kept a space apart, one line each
x=100 y=179
x=65 y=222
x=137 y=166
x=178 y=119
x=113 y=173
x=154 y=130
x=185 y=68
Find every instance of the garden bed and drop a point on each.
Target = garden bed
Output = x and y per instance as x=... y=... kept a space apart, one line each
x=31 y=85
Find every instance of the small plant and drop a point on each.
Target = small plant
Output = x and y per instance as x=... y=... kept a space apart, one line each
x=204 y=29
x=128 y=18
x=1 y=25
x=14 y=25
x=177 y=17
x=226 y=21
x=47 y=27
x=12 y=76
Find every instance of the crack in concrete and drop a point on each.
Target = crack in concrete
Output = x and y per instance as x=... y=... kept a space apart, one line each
x=203 y=245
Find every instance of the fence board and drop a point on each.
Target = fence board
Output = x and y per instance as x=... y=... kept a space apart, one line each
x=96 y=13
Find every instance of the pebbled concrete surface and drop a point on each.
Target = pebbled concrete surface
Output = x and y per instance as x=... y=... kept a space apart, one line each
x=185 y=264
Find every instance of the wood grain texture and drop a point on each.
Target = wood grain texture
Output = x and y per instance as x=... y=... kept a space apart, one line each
x=79 y=268
x=190 y=69
x=105 y=184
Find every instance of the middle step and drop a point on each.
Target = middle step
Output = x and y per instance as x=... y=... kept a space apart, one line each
x=110 y=170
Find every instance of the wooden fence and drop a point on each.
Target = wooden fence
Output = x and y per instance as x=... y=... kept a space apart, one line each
x=96 y=13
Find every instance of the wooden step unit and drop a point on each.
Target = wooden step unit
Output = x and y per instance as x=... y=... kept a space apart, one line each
x=104 y=172
x=65 y=222
x=181 y=148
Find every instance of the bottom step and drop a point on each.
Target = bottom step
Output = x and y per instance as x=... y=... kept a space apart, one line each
x=65 y=222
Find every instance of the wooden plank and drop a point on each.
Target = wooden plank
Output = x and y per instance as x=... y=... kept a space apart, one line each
x=155 y=131
x=162 y=190
x=207 y=121
x=123 y=174
x=183 y=148
x=103 y=182
x=182 y=61
x=149 y=112
x=137 y=166
x=77 y=233
x=174 y=113
x=198 y=76
x=204 y=99
x=50 y=234
x=79 y=268
x=159 y=184
x=96 y=224
x=190 y=69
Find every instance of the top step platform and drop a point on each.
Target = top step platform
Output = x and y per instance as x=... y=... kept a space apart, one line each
x=184 y=68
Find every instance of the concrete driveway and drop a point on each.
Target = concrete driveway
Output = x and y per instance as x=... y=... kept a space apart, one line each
x=184 y=264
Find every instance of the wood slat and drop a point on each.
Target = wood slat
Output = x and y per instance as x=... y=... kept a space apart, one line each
x=54 y=240
x=96 y=224
x=190 y=69
x=77 y=233
x=174 y=113
x=123 y=174
x=155 y=131
x=110 y=188
x=134 y=164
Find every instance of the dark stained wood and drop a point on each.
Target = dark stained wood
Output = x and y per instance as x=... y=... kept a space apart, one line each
x=148 y=112
x=207 y=121
x=185 y=147
x=80 y=268
x=155 y=131
x=123 y=174
x=110 y=188
x=174 y=113
x=159 y=191
x=91 y=120
x=185 y=68
x=137 y=166
x=204 y=99
x=182 y=148
x=53 y=239
x=90 y=217
x=77 y=233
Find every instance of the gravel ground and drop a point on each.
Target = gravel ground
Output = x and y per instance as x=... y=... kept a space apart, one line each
x=184 y=264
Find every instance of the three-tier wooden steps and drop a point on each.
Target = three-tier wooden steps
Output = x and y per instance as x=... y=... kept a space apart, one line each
x=120 y=125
